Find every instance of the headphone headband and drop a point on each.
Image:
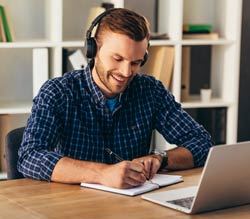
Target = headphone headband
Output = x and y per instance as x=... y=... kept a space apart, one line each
x=96 y=21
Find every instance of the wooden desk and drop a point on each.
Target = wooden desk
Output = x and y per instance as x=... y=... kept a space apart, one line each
x=26 y=198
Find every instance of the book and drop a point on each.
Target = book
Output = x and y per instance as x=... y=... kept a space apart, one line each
x=77 y=60
x=197 y=28
x=5 y=127
x=65 y=61
x=211 y=36
x=158 y=181
x=2 y=32
x=215 y=121
x=93 y=13
x=9 y=20
x=158 y=36
x=160 y=64
x=5 y=24
x=185 y=73
x=200 y=68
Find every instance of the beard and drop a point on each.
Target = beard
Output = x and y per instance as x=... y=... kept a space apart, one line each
x=106 y=80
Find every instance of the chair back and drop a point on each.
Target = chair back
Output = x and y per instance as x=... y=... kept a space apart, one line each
x=12 y=143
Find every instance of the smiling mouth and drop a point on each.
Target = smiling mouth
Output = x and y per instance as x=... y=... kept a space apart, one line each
x=118 y=78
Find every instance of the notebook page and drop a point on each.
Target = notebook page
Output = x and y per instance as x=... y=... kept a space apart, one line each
x=164 y=180
x=147 y=186
x=158 y=181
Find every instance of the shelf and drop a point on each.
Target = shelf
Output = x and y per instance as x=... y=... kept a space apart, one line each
x=195 y=102
x=48 y=24
x=15 y=108
x=73 y=44
x=50 y=44
x=28 y=44
x=220 y=41
x=198 y=104
x=41 y=44
x=163 y=42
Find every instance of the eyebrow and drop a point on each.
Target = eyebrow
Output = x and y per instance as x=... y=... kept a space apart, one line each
x=137 y=60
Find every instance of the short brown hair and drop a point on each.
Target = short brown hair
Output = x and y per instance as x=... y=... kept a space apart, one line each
x=124 y=21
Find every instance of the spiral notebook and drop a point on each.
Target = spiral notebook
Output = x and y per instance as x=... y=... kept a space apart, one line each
x=158 y=181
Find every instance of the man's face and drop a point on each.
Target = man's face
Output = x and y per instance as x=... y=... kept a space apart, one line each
x=117 y=61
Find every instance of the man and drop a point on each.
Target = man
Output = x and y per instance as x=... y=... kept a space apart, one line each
x=108 y=106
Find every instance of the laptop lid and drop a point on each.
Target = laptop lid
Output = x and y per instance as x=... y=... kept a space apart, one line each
x=225 y=182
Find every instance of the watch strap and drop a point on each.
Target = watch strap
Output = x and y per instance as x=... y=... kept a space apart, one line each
x=164 y=161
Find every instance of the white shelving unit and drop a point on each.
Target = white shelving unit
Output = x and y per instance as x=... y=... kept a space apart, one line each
x=225 y=16
x=58 y=24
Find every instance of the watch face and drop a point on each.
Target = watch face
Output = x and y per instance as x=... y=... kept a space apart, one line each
x=161 y=152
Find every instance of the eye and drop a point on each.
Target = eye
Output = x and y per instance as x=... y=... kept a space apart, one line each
x=117 y=58
x=136 y=63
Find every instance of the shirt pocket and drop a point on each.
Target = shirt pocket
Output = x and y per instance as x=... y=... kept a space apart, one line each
x=135 y=140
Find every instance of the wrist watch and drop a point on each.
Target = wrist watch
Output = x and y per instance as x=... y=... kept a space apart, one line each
x=163 y=154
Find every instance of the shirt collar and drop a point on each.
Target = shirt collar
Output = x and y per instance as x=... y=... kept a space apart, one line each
x=96 y=92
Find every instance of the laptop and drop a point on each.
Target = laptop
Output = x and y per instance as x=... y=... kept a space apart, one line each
x=224 y=182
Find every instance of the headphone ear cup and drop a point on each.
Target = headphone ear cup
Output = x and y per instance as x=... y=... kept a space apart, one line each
x=145 y=58
x=91 y=48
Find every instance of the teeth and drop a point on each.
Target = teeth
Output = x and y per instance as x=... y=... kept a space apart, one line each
x=118 y=78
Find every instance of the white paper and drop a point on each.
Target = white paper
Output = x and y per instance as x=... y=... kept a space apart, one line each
x=158 y=181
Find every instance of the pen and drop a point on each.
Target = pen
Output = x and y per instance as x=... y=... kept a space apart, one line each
x=111 y=153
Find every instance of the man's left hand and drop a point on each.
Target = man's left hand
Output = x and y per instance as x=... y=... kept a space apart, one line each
x=151 y=164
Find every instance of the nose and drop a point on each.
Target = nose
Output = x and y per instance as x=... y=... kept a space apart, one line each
x=126 y=69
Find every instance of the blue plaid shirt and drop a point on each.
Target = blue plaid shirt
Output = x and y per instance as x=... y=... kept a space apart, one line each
x=70 y=118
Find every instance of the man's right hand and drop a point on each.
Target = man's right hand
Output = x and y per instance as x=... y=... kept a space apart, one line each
x=125 y=174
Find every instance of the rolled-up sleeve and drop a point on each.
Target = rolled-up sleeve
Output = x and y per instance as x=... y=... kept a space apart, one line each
x=37 y=157
x=179 y=128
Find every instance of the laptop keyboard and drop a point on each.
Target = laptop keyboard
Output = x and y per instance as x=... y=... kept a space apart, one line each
x=183 y=202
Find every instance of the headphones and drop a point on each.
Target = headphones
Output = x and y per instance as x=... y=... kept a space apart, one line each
x=91 y=45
